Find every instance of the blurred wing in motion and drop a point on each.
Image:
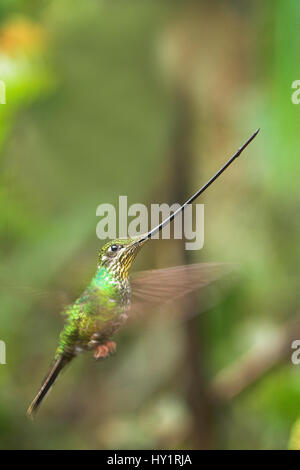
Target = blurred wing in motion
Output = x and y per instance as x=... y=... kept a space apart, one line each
x=54 y=300
x=157 y=287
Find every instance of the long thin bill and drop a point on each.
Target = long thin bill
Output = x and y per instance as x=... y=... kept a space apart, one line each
x=200 y=191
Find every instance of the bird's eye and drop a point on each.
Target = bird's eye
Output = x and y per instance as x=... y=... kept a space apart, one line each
x=114 y=248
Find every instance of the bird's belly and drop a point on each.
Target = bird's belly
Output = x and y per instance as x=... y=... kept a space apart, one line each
x=102 y=325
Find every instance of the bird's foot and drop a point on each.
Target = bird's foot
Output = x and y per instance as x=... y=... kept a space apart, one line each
x=105 y=349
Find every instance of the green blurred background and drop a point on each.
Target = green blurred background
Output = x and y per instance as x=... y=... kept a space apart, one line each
x=147 y=99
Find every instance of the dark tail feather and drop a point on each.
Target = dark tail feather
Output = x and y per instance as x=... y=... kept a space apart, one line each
x=49 y=380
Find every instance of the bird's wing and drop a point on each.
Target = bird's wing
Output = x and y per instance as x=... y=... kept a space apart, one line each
x=157 y=287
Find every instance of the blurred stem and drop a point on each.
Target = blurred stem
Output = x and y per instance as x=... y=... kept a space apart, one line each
x=256 y=364
x=182 y=159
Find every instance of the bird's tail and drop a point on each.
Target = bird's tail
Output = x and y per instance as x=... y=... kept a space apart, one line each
x=49 y=380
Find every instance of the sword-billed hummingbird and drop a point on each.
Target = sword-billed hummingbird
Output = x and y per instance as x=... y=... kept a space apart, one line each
x=106 y=303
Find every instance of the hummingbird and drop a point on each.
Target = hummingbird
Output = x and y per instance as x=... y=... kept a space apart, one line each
x=111 y=297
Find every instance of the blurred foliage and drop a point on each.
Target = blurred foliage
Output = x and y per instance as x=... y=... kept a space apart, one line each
x=92 y=103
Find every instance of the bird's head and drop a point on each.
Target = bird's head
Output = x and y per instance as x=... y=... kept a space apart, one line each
x=118 y=255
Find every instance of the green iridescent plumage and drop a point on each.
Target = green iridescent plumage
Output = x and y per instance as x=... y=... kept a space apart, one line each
x=97 y=310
